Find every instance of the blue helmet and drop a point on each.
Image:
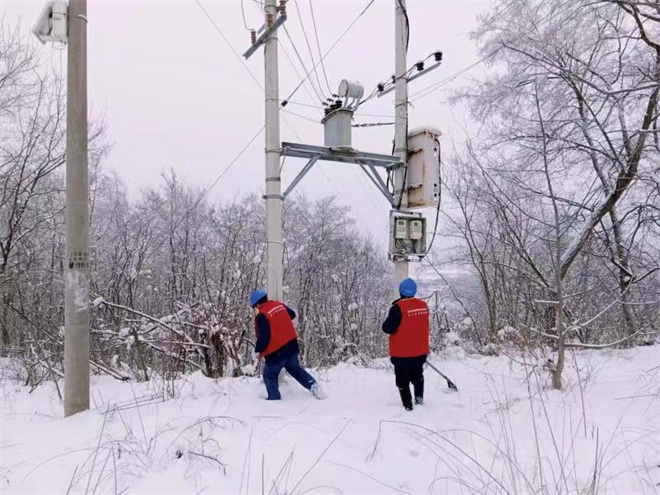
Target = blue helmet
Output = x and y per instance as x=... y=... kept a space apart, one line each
x=257 y=296
x=408 y=287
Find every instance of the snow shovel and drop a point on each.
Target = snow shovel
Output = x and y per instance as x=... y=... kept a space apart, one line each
x=450 y=384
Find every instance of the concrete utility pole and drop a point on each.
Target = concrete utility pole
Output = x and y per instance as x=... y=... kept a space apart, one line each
x=274 y=237
x=400 y=119
x=76 y=312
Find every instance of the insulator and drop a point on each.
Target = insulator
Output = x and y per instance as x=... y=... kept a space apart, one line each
x=253 y=36
x=438 y=56
x=419 y=66
x=283 y=7
x=381 y=87
x=270 y=19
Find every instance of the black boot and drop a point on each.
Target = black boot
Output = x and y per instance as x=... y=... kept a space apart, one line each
x=418 y=385
x=419 y=391
x=406 y=398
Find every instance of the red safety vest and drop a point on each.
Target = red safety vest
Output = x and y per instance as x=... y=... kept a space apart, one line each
x=282 y=330
x=412 y=337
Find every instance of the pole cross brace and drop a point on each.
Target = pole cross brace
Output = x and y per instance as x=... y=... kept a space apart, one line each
x=302 y=174
x=264 y=36
x=377 y=180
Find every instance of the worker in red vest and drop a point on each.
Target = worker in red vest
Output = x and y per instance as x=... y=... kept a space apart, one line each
x=408 y=327
x=277 y=343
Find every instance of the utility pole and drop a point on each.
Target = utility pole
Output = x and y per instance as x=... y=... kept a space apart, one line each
x=401 y=268
x=274 y=236
x=76 y=305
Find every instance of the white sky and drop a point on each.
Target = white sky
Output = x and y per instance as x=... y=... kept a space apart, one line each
x=175 y=96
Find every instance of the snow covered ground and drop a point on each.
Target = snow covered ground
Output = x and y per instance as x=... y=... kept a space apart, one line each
x=502 y=433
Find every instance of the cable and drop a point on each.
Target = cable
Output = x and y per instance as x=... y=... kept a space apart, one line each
x=302 y=62
x=434 y=87
x=380 y=116
x=405 y=13
x=318 y=45
x=373 y=124
x=437 y=211
x=309 y=48
x=222 y=174
x=244 y=19
x=295 y=69
x=217 y=28
x=371 y=2
x=300 y=116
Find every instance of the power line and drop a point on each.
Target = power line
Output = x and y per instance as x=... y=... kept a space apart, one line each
x=217 y=28
x=371 y=2
x=302 y=62
x=318 y=45
x=373 y=124
x=381 y=116
x=295 y=69
x=309 y=48
x=243 y=13
x=436 y=86
x=300 y=116
x=219 y=177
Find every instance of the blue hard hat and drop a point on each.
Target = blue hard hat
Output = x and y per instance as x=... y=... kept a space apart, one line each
x=257 y=296
x=408 y=287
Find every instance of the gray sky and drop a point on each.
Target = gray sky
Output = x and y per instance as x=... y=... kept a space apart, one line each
x=175 y=96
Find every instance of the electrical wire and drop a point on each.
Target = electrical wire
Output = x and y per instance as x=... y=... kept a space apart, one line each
x=405 y=13
x=318 y=45
x=371 y=2
x=380 y=116
x=219 y=177
x=405 y=103
x=309 y=48
x=217 y=28
x=437 y=210
x=436 y=86
x=295 y=69
x=243 y=14
x=320 y=95
x=373 y=124
x=300 y=116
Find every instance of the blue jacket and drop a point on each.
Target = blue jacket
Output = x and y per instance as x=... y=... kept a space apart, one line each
x=393 y=320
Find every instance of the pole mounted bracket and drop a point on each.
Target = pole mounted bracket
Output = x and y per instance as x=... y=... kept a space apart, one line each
x=264 y=36
x=412 y=78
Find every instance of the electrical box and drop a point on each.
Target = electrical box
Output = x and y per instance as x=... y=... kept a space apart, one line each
x=338 y=128
x=52 y=23
x=423 y=175
x=407 y=236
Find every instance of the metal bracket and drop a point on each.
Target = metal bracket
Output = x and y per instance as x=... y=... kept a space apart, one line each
x=366 y=161
x=302 y=174
x=412 y=78
x=264 y=36
x=342 y=155
x=372 y=173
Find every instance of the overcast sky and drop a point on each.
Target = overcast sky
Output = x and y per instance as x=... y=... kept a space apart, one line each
x=174 y=95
